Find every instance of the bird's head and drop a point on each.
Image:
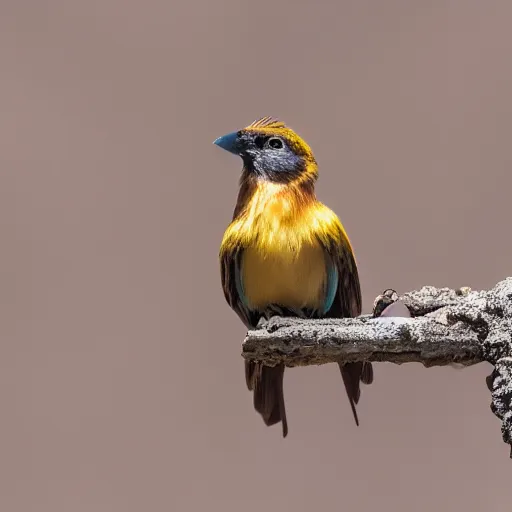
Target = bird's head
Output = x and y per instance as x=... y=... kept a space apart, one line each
x=271 y=151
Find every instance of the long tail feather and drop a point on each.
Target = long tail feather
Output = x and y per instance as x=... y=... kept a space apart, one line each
x=352 y=374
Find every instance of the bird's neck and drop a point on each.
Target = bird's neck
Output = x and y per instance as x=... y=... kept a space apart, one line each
x=260 y=198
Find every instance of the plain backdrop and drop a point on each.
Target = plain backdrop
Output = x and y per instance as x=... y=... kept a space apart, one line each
x=121 y=380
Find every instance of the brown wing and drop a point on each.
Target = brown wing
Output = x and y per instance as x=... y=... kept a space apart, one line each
x=347 y=303
x=232 y=286
x=265 y=382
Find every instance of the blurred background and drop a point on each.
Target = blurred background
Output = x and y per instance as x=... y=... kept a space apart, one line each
x=121 y=380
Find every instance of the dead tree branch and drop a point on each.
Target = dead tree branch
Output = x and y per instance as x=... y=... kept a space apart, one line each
x=445 y=327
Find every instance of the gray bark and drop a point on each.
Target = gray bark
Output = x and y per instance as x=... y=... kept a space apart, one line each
x=447 y=326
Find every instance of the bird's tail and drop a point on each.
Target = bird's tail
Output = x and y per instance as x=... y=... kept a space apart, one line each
x=353 y=374
x=266 y=383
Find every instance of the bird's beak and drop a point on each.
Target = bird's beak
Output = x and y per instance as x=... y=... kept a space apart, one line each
x=228 y=142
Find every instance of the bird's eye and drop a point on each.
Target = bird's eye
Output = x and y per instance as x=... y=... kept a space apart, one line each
x=275 y=143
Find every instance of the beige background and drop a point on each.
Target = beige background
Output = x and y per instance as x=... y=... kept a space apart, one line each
x=121 y=381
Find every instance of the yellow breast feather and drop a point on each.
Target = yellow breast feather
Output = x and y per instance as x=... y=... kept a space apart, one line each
x=281 y=233
x=293 y=280
x=278 y=219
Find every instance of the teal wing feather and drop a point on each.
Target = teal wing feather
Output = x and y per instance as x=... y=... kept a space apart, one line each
x=331 y=285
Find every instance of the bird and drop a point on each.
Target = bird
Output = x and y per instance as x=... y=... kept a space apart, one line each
x=285 y=253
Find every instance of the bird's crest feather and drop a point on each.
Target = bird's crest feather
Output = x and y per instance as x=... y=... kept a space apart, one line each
x=267 y=122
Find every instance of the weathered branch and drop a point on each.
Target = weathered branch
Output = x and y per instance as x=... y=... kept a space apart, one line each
x=297 y=342
x=446 y=327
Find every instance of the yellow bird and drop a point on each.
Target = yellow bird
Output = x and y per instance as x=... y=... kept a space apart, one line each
x=285 y=253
